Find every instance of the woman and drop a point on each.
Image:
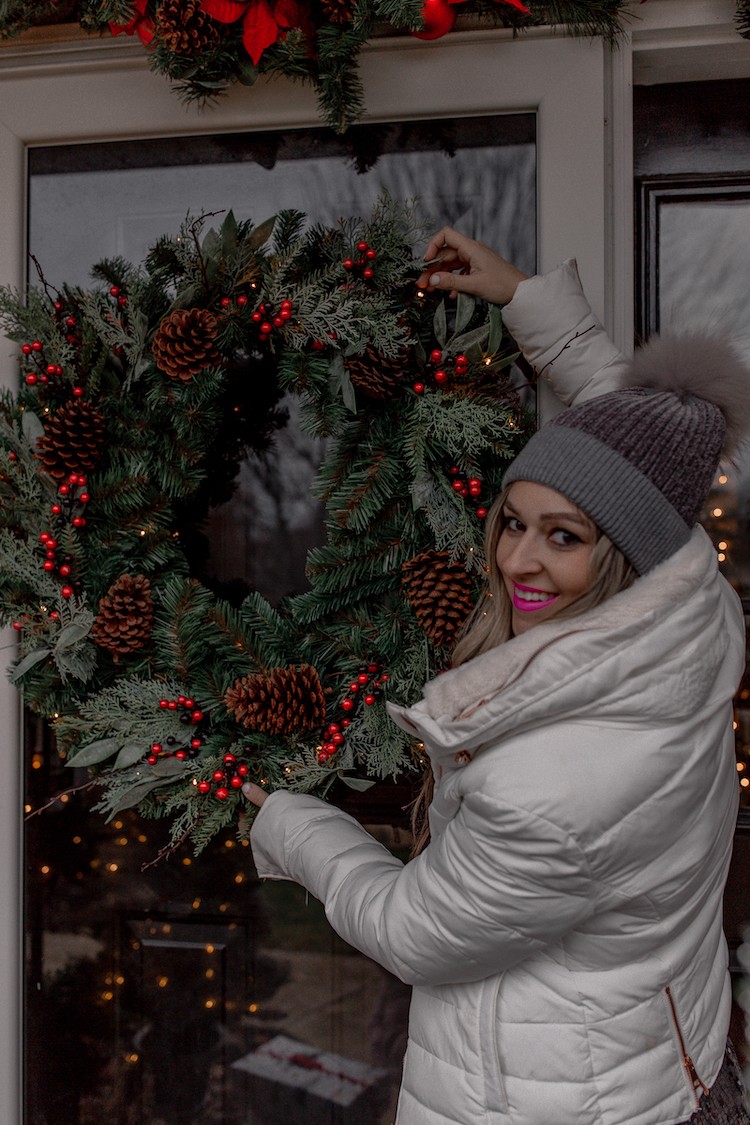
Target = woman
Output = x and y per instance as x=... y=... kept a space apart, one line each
x=562 y=928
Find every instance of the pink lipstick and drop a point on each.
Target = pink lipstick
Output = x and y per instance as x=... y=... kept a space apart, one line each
x=528 y=600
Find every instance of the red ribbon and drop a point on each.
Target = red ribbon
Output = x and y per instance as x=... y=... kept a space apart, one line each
x=263 y=21
x=140 y=25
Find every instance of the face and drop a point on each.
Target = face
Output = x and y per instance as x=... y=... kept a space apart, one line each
x=543 y=553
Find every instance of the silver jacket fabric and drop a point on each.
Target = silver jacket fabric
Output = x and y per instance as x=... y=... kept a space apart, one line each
x=562 y=930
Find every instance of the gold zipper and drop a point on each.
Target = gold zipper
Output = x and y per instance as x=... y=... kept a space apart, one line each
x=696 y=1082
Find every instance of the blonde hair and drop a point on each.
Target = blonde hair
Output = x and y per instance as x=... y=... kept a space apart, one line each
x=489 y=624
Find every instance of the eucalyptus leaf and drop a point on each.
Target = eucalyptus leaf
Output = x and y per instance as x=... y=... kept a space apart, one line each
x=28 y=661
x=261 y=234
x=95 y=752
x=465 y=306
x=31 y=426
x=211 y=245
x=132 y=797
x=358 y=783
x=496 y=329
x=474 y=343
x=71 y=634
x=130 y=753
x=229 y=235
x=440 y=324
x=347 y=391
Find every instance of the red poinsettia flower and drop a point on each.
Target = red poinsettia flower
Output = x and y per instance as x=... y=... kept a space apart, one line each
x=263 y=21
x=141 y=24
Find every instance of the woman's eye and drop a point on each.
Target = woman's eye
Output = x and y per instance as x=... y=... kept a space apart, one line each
x=565 y=538
x=513 y=524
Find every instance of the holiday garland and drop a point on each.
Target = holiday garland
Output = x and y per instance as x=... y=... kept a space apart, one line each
x=205 y=46
x=137 y=400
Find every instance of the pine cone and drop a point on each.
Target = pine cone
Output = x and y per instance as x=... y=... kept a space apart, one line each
x=285 y=701
x=441 y=594
x=126 y=614
x=338 y=11
x=184 y=343
x=72 y=440
x=184 y=29
x=376 y=375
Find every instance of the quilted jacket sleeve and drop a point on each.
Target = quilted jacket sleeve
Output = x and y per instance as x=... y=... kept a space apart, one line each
x=496 y=885
x=561 y=338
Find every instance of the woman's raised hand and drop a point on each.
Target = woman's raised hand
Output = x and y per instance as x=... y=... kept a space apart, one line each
x=462 y=265
x=255 y=795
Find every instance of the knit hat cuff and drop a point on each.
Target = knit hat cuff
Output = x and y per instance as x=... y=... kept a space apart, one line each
x=620 y=500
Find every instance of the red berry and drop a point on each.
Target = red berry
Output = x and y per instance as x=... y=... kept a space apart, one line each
x=26 y=349
x=236 y=783
x=181 y=755
x=362 y=246
x=354 y=686
x=64 y=489
x=242 y=300
x=318 y=345
x=347 y=705
x=372 y=668
x=322 y=757
x=55 y=615
x=475 y=490
x=461 y=361
x=226 y=302
x=67 y=591
x=17 y=626
x=369 y=700
x=286 y=306
x=278 y=322
x=384 y=678
x=204 y=786
x=189 y=703
x=222 y=793
x=482 y=513
x=362 y=678
x=78 y=521
x=419 y=388
x=84 y=498
x=337 y=739
x=122 y=302
x=333 y=728
x=70 y=321
x=172 y=704
x=196 y=743
x=51 y=369
x=218 y=775
x=257 y=317
x=196 y=716
x=77 y=391
x=242 y=770
x=152 y=760
x=36 y=346
x=371 y=254
x=156 y=748
x=64 y=571
x=229 y=758
x=81 y=479
x=31 y=379
x=329 y=747
x=346 y=722
x=441 y=376
x=266 y=327
x=436 y=356
x=114 y=291
x=164 y=703
x=348 y=264
x=55 y=509
x=458 y=486
x=368 y=274
x=284 y=315
x=48 y=565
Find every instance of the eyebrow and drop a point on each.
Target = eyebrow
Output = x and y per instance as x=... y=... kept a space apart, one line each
x=551 y=517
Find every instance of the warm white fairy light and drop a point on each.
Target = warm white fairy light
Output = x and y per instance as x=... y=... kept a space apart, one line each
x=717 y=512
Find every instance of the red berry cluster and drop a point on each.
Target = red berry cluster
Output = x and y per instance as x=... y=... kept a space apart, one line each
x=43 y=372
x=368 y=688
x=362 y=266
x=72 y=493
x=27 y=622
x=232 y=776
x=438 y=371
x=191 y=713
x=470 y=490
x=54 y=563
x=267 y=317
x=67 y=323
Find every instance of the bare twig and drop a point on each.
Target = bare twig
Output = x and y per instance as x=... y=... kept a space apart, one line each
x=50 y=290
x=195 y=229
x=168 y=849
x=65 y=793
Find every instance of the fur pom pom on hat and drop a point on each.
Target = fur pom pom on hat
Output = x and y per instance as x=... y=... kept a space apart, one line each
x=640 y=461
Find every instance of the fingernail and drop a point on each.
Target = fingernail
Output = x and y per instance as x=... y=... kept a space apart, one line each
x=435 y=279
x=246 y=789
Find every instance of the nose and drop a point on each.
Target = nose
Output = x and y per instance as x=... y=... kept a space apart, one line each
x=520 y=556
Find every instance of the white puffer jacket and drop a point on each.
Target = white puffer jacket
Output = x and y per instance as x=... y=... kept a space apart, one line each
x=563 y=929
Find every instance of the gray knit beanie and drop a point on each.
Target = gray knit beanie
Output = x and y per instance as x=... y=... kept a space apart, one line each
x=640 y=461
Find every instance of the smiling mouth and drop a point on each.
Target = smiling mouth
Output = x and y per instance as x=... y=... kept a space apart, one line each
x=528 y=600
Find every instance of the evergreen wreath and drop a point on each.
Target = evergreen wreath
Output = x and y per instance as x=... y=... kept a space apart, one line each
x=205 y=46
x=137 y=400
